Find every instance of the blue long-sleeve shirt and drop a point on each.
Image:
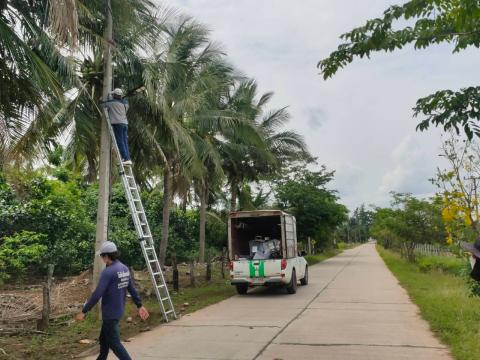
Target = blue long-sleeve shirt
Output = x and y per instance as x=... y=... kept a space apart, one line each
x=112 y=287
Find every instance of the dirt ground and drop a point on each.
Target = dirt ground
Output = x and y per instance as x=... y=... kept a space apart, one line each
x=21 y=307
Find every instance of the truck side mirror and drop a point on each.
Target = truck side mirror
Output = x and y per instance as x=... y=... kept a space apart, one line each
x=303 y=253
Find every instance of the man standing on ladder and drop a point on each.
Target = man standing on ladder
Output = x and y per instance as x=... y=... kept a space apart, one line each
x=112 y=288
x=117 y=108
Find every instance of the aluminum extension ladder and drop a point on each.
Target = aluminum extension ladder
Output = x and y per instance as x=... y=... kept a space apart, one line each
x=132 y=192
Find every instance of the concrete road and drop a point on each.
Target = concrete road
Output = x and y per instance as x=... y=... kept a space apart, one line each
x=353 y=308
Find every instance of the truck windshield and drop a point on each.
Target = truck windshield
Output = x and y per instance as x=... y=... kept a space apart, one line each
x=256 y=238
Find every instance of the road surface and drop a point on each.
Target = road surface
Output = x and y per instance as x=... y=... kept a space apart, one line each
x=353 y=308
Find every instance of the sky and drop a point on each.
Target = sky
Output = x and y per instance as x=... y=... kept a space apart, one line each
x=360 y=123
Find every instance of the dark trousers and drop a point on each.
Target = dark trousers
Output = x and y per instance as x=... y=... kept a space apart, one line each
x=110 y=339
x=121 y=136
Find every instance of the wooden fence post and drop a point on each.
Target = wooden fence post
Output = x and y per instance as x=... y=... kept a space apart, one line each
x=192 y=272
x=175 y=273
x=208 y=275
x=42 y=324
x=224 y=255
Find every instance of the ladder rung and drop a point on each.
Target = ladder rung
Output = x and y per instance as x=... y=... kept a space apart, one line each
x=154 y=260
x=156 y=273
x=168 y=312
x=149 y=248
x=160 y=286
x=137 y=200
x=165 y=298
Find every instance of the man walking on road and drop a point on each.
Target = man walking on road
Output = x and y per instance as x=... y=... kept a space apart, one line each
x=112 y=287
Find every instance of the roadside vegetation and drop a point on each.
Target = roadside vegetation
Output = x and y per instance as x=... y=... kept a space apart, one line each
x=444 y=298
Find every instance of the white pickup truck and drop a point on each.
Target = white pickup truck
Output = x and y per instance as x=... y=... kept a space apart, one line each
x=263 y=251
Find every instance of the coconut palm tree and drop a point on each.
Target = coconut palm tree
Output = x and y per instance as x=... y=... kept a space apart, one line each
x=244 y=163
x=74 y=116
x=179 y=79
x=32 y=67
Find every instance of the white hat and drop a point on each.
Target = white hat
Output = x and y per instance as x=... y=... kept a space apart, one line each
x=118 y=92
x=107 y=247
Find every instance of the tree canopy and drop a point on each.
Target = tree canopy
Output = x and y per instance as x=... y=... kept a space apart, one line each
x=422 y=23
x=304 y=194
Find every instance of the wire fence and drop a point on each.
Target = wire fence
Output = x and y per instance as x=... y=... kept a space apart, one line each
x=431 y=250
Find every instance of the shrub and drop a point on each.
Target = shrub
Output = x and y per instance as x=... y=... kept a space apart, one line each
x=445 y=264
x=54 y=210
x=21 y=252
x=344 y=246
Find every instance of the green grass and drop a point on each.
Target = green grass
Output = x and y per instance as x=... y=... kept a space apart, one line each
x=446 y=264
x=62 y=340
x=344 y=246
x=444 y=301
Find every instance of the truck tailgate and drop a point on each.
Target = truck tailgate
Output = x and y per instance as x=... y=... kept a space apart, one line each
x=257 y=269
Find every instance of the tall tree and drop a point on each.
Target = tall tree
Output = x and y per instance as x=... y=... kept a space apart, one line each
x=303 y=193
x=105 y=150
x=422 y=23
x=243 y=162
x=31 y=63
x=179 y=82
x=458 y=188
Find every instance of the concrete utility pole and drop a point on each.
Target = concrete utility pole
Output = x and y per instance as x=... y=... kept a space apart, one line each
x=105 y=150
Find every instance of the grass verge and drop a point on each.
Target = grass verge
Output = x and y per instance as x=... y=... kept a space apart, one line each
x=315 y=259
x=444 y=301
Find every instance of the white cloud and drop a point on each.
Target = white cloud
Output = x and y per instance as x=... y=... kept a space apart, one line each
x=360 y=122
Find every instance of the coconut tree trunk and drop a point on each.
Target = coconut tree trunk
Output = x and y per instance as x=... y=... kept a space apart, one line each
x=167 y=203
x=203 y=218
x=184 y=202
x=91 y=170
x=233 y=195
x=105 y=146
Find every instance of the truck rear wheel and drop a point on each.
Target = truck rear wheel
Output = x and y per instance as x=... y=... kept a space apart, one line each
x=242 y=289
x=304 y=281
x=292 y=286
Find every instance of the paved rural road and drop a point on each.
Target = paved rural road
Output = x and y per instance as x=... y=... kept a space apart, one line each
x=353 y=308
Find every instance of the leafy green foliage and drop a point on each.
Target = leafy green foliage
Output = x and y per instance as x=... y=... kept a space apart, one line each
x=21 y=253
x=357 y=228
x=434 y=21
x=428 y=22
x=54 y=210
x=452 y=110
x=409 y=221
x=447 y=264
x=303 y=193
x=183 y=228
x=45 y=221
